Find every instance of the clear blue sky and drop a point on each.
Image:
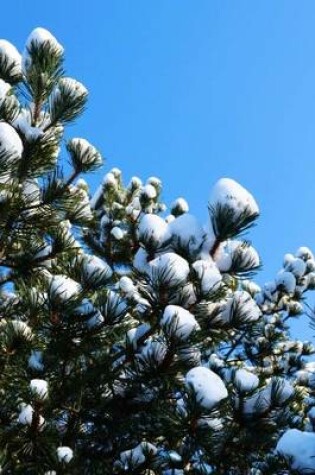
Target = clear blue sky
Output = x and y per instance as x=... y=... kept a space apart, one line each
x=193 y=90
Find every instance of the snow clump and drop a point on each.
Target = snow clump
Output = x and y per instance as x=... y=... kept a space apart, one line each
x=10 y=56
x=229 y=193
x=40 y=36
x=207 y=386
x=153 y=230
x=39 y=387
x=169 y=269
x=299 y=449
x=64 y=287
x=245 y=381
x=178 y=322
x=10 y=142
x=208 y=274
x=64 y=454
x=137 y=456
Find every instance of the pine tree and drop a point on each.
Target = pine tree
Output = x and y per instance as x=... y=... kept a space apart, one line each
x=131 y=341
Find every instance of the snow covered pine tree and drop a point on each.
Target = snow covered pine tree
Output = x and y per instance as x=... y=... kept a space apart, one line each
x=130 y=342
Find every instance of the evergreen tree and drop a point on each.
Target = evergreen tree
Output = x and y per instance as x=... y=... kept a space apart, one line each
x=131 y=342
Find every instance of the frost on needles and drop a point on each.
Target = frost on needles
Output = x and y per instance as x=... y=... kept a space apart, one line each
x=133 y=339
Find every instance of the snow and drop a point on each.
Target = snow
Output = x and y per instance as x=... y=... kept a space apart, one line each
x=81 y=183
x=152 y=351
x=299 y=449
x=153 y=228
x=137 y=456
x=304 y=253
x=287 y=281
x=31 y=193
x=173 y=471
x=26 y=415
x=118 y=233
x=96 y=268
x=180 y=205
x=82 y=209
x=190 y=355
x=207 y=386
x=109 y=179
x=72 y=86
x=63 y=287
x=40 y=36
x=135 y=334
x=116 y=172
x=134 y=184
x=10 y=142
x=39 y=387
x=227 y=192
x=23 y=124
x=155 y=181
x=208 y=274
x=259 y=402
x=169 y=269
x=64 y=454
x=233 y=248
x=89 y=155
x=96 y=198
x=35 y=360
x=247 y=308
x=169 y=218
x=178 y=322
x=22 y=329
x=11 y=56
x=140 y=261
x=4 y=89
x=297 y=266
x=87 y=309
x=149 y=191
x=126 y=285
x=213 y=423
x=245 y=381
x=251 y=287
x=116 y=307
x=187 y=231
x=286 y=390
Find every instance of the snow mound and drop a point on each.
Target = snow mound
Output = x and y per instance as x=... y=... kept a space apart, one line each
x=169 y=269
x=208 y=274
x=187 y=232
x=40 y=36
x=287 y=281
x=227 y=192
x=11 y=57
x=299 y=448
x=229 y=251
x=63 y=287
x=64 y=454
x=39 y=387
x=96 y=268
x=4 y=89
x=178 y=322
x=245 y=381
x=10 y=142
x=153 y=230
x=244 y=305
x=137 y=456
x=207 y=385
x=23 y=123
x=87 y=153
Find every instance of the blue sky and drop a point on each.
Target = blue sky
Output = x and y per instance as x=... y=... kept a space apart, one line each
x=191 y=91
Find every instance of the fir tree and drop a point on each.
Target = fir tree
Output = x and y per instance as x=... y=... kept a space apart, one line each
x=130 y=341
